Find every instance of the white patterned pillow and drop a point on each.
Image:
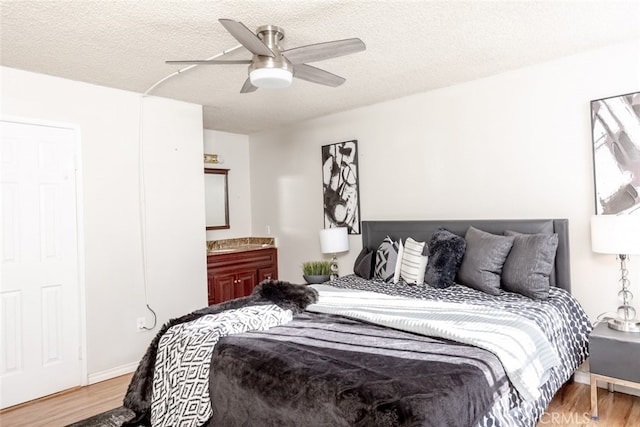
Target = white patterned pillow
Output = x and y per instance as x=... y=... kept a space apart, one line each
x=386 y=260
x=412 y=263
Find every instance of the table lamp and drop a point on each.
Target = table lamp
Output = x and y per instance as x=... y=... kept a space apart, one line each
x=619 y=235
x=334 y=241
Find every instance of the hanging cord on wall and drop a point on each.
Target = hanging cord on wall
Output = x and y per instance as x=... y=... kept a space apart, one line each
x=141 y=186
x=143 y=212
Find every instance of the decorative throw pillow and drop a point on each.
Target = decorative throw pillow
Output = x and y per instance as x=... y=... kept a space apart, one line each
x=396 y=273
x=386 y=259
x=363 y=266
x=445 y=255
x=529 y=264
x=483 y=260
x=412 y=262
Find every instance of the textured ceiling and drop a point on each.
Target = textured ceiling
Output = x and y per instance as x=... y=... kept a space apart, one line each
x=412 y=46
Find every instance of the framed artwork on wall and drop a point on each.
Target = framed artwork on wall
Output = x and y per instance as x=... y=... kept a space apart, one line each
x=615 y=125
x=340 y=186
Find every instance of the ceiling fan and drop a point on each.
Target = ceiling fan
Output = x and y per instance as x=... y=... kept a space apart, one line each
x=273 y=67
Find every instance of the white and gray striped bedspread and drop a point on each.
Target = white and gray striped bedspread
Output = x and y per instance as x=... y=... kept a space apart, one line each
x=561 y=318
x=524 y=351
x=180 y=386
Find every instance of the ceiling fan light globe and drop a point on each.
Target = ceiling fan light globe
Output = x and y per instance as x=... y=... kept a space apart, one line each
x=271 y=78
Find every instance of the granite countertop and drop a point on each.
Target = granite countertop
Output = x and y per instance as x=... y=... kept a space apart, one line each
x=242 y=244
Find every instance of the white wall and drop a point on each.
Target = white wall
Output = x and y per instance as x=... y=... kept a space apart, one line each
x=514 y=145
x=172 y=141
x=234 y=149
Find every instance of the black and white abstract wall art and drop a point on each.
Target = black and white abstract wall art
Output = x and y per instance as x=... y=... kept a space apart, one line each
x=340 y=186
x=615 y=123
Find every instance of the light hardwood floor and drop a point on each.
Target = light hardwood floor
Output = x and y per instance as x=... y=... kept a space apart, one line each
x=68 y=407
x=569 y=408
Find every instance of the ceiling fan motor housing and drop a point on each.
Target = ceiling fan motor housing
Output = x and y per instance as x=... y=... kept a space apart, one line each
x=271 y=72
x=272 y=67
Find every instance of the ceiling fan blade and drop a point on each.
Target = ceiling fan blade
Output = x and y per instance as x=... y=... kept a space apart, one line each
x=248 y=87
x=316 y=75
x=322 y=51
x=246 y=37
x=210 y=61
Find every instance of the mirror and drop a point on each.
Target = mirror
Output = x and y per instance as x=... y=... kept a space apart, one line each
x=216 y=191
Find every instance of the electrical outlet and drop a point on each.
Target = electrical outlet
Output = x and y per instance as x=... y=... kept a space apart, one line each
x=140 y=324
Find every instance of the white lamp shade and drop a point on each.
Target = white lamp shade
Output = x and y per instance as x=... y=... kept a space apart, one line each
x=615 y=234
x=334 y=240
x=271 y=78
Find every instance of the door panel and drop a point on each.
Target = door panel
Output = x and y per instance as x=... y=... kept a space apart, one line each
x=245 y=283
x=39 y=291
x=223 y=287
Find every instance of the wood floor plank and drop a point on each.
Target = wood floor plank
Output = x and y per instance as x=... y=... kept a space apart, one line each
x=571 y=407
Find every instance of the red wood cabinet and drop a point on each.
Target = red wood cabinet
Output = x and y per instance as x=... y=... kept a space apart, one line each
x=236 y=274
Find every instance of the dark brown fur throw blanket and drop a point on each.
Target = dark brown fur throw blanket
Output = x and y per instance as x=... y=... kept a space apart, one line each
x=286 y=295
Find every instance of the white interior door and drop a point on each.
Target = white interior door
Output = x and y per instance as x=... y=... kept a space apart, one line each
x=39 y=288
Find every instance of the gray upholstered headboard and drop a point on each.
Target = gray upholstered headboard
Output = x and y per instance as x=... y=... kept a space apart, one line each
x=374 y=232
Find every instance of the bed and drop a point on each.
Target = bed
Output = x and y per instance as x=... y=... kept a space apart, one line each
x=372 y=352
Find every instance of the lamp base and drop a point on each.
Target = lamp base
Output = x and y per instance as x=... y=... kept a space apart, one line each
x=334 y=267
x=624 y=325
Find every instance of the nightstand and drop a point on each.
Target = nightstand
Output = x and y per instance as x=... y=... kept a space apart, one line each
x=614 y=357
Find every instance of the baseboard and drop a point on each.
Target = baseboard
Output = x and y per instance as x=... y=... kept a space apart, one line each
x=112 y=373
x=583 y=376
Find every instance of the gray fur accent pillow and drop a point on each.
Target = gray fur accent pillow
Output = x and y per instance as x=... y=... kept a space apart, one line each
x=483 y=260
x=445 y=255
x=529 y=264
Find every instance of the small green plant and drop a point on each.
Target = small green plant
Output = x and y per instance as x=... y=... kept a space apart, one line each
x=316 y=268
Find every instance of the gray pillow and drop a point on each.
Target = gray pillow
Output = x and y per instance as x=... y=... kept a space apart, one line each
x=483 y=260
x=363 y=266
x=529 y=264
x=386 y=259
